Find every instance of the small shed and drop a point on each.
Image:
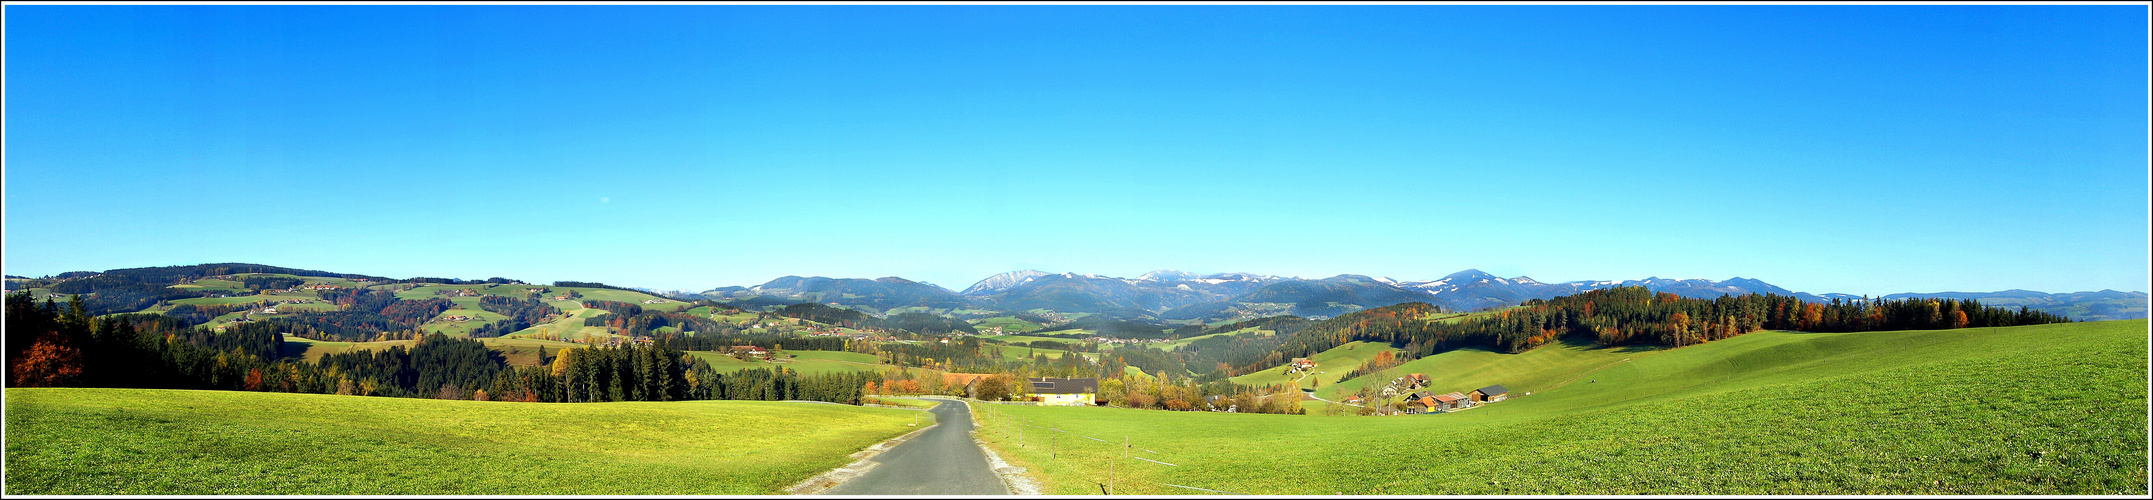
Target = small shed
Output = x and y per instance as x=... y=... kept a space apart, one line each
x=1490 y=394
x=1448 y=402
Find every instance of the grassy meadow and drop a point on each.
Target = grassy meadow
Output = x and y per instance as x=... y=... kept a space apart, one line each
x=312 y=350
x=1466 y=369
x=2049 y=409
x=1330 y=365
x=166 y=442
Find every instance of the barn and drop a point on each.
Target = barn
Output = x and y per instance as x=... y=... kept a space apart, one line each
x=1490 y=394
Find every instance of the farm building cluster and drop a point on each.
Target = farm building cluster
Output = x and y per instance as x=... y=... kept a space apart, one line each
x=1111 y=340
x=1416 y=398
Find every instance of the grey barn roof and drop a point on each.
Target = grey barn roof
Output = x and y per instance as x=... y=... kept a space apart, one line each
x=1493 y=390
x=1064 y=385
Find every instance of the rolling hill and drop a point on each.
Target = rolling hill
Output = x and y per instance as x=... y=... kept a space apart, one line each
x=2045 y=409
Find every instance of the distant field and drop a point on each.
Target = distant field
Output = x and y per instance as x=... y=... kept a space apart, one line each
x=165 y=442
x=1009 y=324
x=1028 y=338
x=1330 y=365
x=524 y=352
x=2050 y=409
x=724 y=362
x=1467 y=369
x=819 y=362
x=805 y=362
x=1014 y=352
x=479 y=317
x=313 y=350
x=1176 y=344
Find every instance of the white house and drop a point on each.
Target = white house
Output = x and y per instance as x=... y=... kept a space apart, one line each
x=1065 y=391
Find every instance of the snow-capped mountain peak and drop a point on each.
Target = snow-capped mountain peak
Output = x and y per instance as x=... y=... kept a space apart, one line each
x=1002 y=281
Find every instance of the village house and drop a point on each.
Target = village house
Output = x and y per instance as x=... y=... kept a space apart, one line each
x=1447 y=402
x=1490 y=394
x=1422 y=404
x=1417 y=380
x=1051 y=391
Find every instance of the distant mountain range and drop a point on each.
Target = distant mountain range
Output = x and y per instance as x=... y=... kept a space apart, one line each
x=1176 y=295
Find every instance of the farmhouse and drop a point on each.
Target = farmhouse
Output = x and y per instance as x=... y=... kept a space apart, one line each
x=969 y=381
x=1447 y=402
x=1065 y=391
x=1490 y=394
x=748 y=350
x=1418 y=380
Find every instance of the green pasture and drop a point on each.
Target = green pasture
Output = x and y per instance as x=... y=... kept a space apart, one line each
x=524 y=352
x=820 y=362
x=2049 y=409
x=479 y=317
x=169 y=442
x=249 y=297
x=1009 y=324
x=1466 y=369
x=1176 y=344
x=1014 y=352
x=1330 y=365
x=907 y=402
x=313 y=350
x=724 y=363
x=1028 y=338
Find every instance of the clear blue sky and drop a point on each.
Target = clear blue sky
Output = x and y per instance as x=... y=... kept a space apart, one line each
x=1855 y=149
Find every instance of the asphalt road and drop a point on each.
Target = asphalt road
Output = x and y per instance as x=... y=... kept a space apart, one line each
x=941 y=461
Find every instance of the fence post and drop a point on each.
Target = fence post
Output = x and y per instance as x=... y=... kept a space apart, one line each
x=1124 y=446
x=1110 y=477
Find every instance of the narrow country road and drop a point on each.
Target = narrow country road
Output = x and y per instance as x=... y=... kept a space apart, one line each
x=941 y=461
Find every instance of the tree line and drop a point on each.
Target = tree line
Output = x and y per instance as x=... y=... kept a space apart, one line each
x=49 y=345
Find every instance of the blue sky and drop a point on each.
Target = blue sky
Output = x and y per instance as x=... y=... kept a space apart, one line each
x=1853 y=149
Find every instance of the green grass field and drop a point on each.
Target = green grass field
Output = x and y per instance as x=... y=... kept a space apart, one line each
x=1176 y=344
x=479 y=317
x=1014 y=352
x=524 y=352
x=313 y=350
x=820 y=362
x=724 y=363
x=1330 y=365
x=1467 y=369
x=167 y=442
x=1009 y=325
x=2050 y=409
x=805 y=362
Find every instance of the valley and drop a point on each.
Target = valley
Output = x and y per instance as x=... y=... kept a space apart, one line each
x=1596 y=390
